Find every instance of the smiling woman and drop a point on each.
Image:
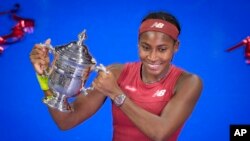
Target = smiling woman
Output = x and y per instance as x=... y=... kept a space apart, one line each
x=156 y=51
x=152 y=98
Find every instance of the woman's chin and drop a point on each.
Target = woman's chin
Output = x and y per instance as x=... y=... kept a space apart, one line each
x=153 y=71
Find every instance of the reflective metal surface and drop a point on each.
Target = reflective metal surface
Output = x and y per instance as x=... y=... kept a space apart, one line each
x=69 y=71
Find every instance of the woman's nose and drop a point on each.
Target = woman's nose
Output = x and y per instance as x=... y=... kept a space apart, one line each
x=152 y=56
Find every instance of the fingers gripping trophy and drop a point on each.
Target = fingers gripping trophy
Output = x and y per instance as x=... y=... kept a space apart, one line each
x=69 y=71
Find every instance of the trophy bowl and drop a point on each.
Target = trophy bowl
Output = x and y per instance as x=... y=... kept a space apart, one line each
x=68 y=73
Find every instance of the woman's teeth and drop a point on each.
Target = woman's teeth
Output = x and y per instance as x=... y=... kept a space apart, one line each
x=154 y=66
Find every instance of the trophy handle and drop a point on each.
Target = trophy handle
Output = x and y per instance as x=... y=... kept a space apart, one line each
x=101 y=67
x=49 y=70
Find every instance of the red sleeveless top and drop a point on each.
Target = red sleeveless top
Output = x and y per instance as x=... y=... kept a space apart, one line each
x=151 y=97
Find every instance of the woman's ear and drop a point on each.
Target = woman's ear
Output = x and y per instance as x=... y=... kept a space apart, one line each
x=176 y=45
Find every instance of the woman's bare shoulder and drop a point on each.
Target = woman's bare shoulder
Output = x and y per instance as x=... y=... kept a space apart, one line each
x=190 y=82
x=186 y=76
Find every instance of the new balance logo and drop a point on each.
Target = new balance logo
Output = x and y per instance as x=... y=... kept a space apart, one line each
x=157 y=25
x=159 y=93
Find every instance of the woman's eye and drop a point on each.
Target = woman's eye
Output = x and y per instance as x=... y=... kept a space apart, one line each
x=162 y=49
x=145 y=47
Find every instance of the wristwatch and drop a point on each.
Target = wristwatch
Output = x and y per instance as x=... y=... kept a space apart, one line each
x=119 y=100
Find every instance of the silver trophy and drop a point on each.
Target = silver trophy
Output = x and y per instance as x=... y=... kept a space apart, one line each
x=69 y=71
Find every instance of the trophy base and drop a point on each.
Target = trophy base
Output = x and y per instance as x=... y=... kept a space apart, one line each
x=58 y=102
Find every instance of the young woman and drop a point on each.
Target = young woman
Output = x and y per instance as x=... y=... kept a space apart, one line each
x=152 y=98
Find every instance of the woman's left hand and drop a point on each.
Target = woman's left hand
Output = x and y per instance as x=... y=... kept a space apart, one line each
x=106 y=83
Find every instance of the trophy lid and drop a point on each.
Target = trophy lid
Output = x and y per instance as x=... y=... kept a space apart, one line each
x=76 y=51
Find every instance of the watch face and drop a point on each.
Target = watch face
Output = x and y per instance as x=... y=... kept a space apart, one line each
x=119 y=100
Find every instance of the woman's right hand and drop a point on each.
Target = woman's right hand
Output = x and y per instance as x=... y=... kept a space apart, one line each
x=39 y=57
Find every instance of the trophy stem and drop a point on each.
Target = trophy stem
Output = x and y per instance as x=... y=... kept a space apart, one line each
x=59 y=102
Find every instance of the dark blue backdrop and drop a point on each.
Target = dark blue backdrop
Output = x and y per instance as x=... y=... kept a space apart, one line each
x=208 y=28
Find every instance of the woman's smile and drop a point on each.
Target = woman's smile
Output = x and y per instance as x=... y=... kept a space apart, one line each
x=153 y=67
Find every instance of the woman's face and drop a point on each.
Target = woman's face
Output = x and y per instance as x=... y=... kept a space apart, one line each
x=156 y=51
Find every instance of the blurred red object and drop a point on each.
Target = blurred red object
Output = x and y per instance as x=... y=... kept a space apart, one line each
x=245 y=42
x=22 y=26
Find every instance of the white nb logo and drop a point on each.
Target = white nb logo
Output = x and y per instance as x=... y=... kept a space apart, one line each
x=157 y=25
x=159 y=93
